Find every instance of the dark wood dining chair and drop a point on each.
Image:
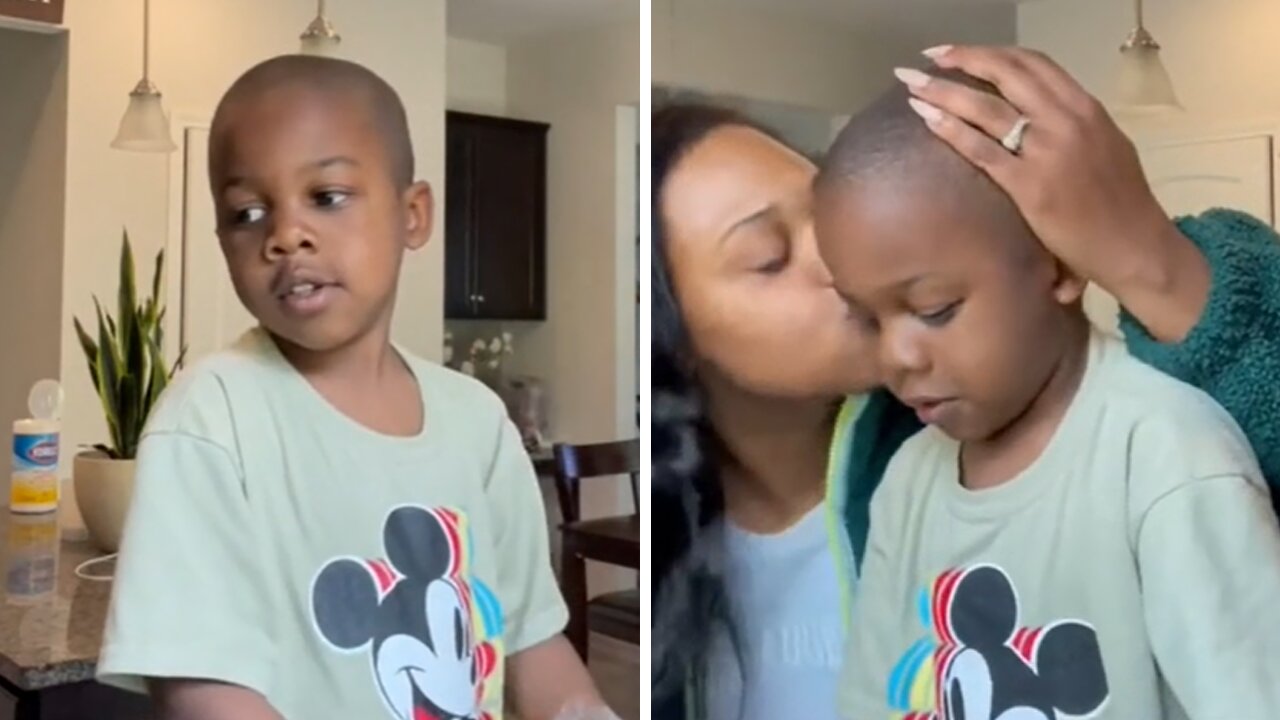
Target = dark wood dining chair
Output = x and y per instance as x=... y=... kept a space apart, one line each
x=612 y=540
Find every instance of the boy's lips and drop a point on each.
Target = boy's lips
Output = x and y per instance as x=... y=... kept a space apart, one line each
x=303 y=291
x=290 y=278
x=928 y=408
x=308 y=299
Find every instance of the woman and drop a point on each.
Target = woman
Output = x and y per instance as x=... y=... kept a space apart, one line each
x=749 y=367
x=755 y=441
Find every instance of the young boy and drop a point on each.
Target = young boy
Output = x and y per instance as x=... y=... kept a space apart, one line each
x=1075 y=534
x=325 y=526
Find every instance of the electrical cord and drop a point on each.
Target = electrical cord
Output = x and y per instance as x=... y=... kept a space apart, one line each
x=82 y=570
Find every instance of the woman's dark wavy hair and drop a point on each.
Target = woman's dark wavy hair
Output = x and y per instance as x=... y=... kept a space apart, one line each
x=686 y=495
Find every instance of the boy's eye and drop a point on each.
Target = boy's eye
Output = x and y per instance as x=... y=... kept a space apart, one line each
x=939 y=316
x=331 y=198
x=248 y=215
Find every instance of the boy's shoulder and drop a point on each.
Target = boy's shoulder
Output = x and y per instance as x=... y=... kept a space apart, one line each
x=1160 y=403
x=472 y=416
x=1167 y=422
x=199 y=401
x=460 y=397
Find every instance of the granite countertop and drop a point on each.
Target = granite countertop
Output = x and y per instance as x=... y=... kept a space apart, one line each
x=51 y=621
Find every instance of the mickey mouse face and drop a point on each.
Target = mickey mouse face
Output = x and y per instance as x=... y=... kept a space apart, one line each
x=995 y=671
x=413 y=613
x=969 y=690
x=432 y=676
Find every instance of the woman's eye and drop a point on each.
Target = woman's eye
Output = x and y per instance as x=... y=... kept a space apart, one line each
x=939 y=316
x=248 y=215
x=331 y=198
x=774 y=266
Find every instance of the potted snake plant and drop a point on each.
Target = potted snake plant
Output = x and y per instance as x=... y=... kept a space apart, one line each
x=129 y=372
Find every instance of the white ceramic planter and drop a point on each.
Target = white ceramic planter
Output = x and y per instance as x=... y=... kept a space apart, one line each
x=104 y=489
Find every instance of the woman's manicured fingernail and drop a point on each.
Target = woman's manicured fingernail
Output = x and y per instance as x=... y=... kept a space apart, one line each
x=911 y=77
x=930 y=113
x=936 y=52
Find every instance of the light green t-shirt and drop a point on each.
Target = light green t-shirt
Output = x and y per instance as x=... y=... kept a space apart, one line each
x=276 y=544
x=1131 y=572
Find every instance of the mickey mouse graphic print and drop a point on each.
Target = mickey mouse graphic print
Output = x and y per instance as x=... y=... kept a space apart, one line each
x=976 y=661
x=429 y=628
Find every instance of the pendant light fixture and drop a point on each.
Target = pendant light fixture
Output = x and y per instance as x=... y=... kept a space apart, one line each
x=1142 y=83
x=145 y=127
x=320 y=37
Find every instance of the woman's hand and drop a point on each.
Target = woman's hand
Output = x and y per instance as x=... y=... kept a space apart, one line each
x=1076 y=179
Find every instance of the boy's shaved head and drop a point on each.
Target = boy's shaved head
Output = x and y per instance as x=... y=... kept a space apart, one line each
x=327 y=77
x=888 y=144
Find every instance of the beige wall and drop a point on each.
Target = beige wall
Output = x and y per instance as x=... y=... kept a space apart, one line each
x=578 y=82
x=33 y=83
x=1222 y=54
x=720 y=46
x=477 y=77
x=198 y=48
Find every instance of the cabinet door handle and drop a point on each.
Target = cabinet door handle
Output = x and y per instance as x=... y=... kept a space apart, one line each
x=480 y=298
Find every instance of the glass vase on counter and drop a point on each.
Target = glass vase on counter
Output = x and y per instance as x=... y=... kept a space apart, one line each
x=528 y=407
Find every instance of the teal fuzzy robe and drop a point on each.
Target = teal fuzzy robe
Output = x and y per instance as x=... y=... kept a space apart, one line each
x=1233 y=354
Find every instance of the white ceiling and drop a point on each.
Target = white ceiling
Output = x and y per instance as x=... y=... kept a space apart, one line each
x=503 y=20
x=499 y=21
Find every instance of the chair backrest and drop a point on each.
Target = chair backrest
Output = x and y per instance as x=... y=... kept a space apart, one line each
x=575 y=463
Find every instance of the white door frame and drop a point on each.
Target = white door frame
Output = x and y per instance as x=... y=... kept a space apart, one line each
x=175 y=276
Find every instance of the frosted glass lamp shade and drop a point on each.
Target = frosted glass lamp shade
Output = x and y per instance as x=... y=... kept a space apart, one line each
x=322 y=46
x=320 y=38
x=1142 y=83
x=144 y=127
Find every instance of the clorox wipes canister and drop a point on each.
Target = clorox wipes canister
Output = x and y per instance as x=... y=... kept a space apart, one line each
x=34 y=484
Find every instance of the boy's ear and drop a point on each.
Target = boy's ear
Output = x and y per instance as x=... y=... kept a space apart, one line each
x=420 y=211
x=1068 y=287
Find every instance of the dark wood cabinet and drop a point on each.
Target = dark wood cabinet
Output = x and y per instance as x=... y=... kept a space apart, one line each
x=495 y=218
